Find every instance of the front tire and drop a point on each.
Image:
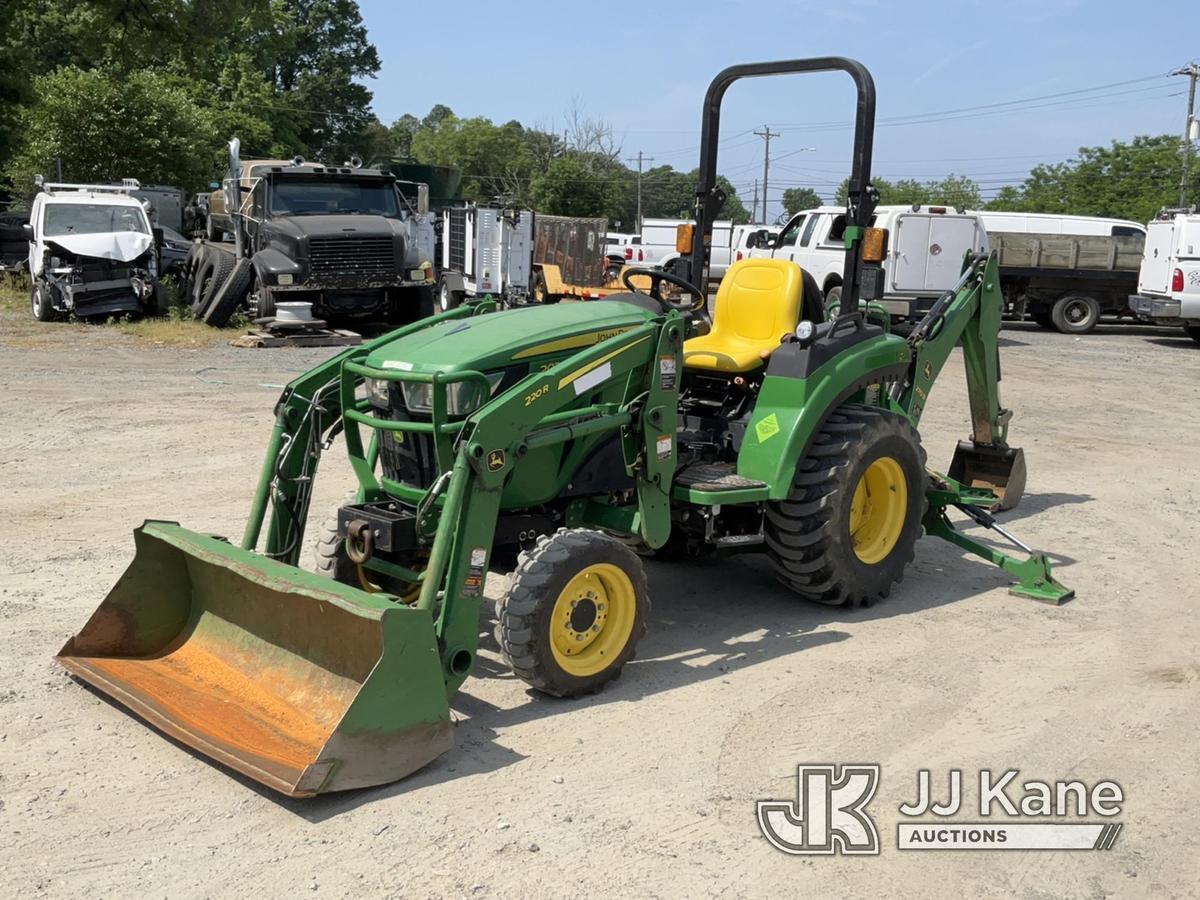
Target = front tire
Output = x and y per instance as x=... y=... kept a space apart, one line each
x=574 y=611
x=833 y=299
x=448 y=299
x=40 y=303
x=538 y=292
x=850 y=524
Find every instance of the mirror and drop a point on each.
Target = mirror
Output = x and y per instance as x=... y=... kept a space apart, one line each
x=28 y=230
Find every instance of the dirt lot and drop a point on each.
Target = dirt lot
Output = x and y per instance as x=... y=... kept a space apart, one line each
x=648 y=789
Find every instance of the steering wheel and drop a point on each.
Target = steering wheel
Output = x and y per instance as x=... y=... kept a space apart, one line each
x=657 y=277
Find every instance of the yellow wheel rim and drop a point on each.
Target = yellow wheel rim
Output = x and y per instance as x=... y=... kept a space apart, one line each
x=878 y=510
x=592 y=619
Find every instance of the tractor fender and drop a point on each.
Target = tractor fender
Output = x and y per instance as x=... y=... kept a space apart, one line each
x=793 y=405
x=270 y=263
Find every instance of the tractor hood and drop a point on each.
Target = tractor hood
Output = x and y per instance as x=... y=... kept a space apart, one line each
x=118 y=246
x=512 y=336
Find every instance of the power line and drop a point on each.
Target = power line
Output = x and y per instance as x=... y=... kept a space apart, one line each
x=983 y=106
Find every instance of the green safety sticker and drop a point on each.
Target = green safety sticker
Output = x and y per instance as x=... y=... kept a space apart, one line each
x=767 y=428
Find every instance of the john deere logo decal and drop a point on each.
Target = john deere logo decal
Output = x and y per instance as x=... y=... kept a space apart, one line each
x=928 y=369
x=495 y=461
x=767 y=428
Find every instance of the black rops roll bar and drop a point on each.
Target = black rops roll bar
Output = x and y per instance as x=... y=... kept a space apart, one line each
x=862 y=197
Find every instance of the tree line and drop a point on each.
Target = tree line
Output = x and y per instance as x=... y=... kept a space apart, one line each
x=1125 y=180
x=152 y=89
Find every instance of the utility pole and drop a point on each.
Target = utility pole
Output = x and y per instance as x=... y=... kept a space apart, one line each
x=639 y=159
x=766 y=134
x=1193 y=72
x=754 y=208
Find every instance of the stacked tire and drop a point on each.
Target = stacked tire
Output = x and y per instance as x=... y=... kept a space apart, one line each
x=206 y=271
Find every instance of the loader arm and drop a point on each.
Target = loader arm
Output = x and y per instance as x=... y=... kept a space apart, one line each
x=308 y=416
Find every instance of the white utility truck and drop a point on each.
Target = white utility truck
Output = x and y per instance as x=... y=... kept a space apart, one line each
x=1169 y=279
x=927 y=245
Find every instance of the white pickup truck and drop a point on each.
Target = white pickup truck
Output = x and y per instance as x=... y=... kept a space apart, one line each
x=926 y=246
x=1169 y=279
x=658 y=245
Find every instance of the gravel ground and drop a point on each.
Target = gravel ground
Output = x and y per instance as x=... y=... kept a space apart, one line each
x=648 y=789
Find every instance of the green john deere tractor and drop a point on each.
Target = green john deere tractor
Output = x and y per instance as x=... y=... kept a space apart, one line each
x=558 y=443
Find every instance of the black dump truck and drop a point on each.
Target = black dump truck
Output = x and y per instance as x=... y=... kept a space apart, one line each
x=345 y=239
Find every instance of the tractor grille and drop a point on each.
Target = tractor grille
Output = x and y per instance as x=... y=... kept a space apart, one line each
x=404 y=455
x=351 y=255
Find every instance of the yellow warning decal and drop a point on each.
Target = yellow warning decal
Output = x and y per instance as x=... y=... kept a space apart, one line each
x=767 y=428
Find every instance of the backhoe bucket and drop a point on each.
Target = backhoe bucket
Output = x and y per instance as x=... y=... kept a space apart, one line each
x=999 y=469
x=299 y=682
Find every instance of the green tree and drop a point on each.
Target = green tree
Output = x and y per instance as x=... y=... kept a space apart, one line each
x=571 y=186
x=321 y=51
x=104 y=127
x=953 y=190
x=1131 y=180
x=797 y=198
x=494 y=159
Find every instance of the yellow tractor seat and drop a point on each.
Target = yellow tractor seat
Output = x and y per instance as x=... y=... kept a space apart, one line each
x=759 y=301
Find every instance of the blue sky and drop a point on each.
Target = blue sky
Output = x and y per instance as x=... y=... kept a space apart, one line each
x=644 y=68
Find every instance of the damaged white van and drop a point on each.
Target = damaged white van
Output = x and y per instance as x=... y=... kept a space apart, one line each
x=91 y=252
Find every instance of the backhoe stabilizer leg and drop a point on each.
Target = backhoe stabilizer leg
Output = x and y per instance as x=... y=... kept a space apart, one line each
x=1035 y=579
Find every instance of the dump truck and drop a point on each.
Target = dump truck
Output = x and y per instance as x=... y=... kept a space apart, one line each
x=1067 y=281
x=560 y=444
x=343 y=238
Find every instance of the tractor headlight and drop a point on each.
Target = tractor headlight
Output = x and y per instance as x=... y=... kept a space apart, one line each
x=377 y=392
x=462 y=397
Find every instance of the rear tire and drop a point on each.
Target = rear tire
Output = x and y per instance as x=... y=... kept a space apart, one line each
x=1193 y=331
x=849 y=526
x=573 y=613
x=1075 y=314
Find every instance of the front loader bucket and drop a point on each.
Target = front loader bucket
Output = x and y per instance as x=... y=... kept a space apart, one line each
x=296 y=681
x=999 y=469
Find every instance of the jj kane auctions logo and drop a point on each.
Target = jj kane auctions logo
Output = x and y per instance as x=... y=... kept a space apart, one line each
x=830 y=813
